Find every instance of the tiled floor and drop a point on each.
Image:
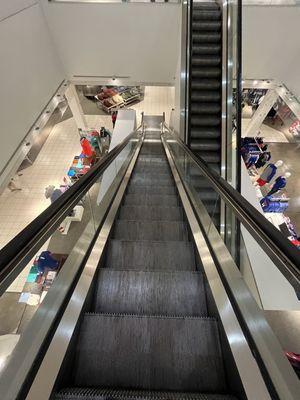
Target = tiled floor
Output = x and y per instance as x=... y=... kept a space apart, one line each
x=19 y=208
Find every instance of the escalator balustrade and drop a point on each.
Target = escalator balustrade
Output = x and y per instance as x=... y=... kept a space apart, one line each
x=148 y=333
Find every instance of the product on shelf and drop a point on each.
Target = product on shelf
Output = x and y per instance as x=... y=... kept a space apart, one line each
x=113 y=98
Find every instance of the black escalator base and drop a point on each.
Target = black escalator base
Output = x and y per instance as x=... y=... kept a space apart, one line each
x=206 y=86
x=148 y=334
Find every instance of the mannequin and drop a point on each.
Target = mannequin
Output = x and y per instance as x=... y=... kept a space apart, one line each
x=268 y=173
x=279 y=183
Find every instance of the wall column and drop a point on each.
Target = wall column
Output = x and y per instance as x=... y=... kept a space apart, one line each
x=261 y=113
x=75 y=106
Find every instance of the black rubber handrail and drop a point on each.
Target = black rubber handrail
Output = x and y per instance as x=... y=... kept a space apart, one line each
x=17 y=252
x=282 y=252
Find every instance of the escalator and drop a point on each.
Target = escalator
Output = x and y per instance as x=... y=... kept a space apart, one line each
x=148 y=332
x=154 y=307
x=205 y=93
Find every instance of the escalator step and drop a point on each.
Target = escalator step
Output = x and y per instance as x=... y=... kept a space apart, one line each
x=206 y=26
x=198 y=73
x=118 y=394
x=206 y=38
x=205 y=108
x=154 y=160
x=150 y=230
x=206 y=15
x=205 y=133
x=148 y=213
x=205 y=97
x=151 y=189
x=161 y=353
x=205 y=121
x=150 y=255
x=150 y=293
x=206 y=49
x=152 y=179
x=206 y=145
x=147 y=167
x=206 y=84
x=206 y=61
x=205 y=6
x=151 y=200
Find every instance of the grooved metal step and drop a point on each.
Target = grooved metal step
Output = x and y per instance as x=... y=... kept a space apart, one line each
x=150 y=255
x=206 y=61
x=150 y=178
x=151 y=200
x=206 y=49
x=147 y=167
x=206 y=84
x=206 y=15
x=151 y=190
x=206 y=38
x=152 y=160
x=205 y=108
x=206 y=72
x=119 y=394
x=150 y=293
x=205 y=97
x=161 y=353
x=206 y=26
x=205 y=121
x=206 y=145
x=150 y=230
x=151 y=213
x=205 y=133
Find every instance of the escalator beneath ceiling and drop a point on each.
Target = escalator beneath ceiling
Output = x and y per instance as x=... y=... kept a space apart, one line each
x=148 y=331
x=205 y=93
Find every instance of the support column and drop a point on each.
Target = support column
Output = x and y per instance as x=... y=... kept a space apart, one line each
x=261 y=113
x=75 y=106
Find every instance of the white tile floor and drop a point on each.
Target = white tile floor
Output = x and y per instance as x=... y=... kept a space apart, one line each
x=19 y=208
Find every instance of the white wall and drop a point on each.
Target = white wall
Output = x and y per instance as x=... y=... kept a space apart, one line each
x=271 y=45
x=29 y=71
x=136 y=40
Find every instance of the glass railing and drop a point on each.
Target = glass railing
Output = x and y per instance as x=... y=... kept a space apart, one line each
x=49 y=269
x=266 y=278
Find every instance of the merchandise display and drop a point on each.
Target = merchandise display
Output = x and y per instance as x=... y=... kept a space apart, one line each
x=44 y=270
x=112 y=98
x=279 y=184
x=269 y=185
x=268 y=173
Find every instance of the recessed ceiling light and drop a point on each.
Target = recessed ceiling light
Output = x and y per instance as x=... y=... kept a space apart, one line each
x=255 y=82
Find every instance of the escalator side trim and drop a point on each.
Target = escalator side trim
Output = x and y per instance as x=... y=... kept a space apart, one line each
x=254 y=384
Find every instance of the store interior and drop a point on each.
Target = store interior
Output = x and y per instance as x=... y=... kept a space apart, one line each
x=60 y=156
x=270 y=150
